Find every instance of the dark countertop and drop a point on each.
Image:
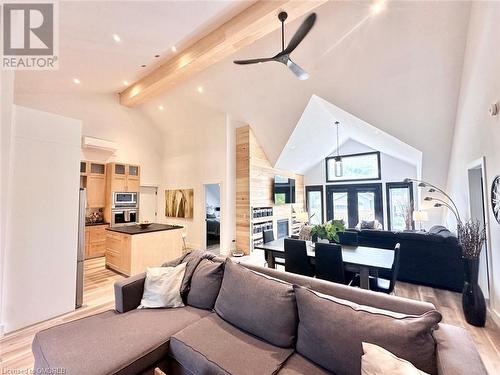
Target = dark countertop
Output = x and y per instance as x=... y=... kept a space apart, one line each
x=136 y=229
x=95 y=224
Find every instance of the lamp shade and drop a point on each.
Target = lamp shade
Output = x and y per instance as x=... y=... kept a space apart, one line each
x=420 y=216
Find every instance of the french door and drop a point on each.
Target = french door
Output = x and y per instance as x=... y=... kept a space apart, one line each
x=354 y=203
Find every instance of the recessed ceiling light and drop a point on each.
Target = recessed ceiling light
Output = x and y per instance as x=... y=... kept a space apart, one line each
x=125 y=83
x=117 y=38
x=200 y=89
x=76 y=81
x=143 y=65
x=161 y=108
x=378 y=7
x=157 y=55
x=173 y=49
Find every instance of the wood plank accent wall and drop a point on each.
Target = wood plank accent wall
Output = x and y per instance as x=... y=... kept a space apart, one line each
x=254 y=186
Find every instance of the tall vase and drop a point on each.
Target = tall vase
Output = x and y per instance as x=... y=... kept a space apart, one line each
x=473 y=302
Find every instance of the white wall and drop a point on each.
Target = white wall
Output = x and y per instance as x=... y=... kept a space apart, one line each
x=139 y=142
x=195 y=155
x=42 y=226
x=476 y=133
x=6 y=102
x=393 y=170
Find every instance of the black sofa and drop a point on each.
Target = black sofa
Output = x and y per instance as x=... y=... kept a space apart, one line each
x=431 y=258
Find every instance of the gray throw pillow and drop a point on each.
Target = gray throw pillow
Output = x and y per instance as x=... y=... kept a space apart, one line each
x=205 y=284
x=367 y=224
x=192 y=259
x=257 y=304
x=331 y=332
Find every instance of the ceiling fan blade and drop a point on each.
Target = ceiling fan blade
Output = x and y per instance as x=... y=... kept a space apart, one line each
x=253 y=61
x=300 y=34
x=297 y=70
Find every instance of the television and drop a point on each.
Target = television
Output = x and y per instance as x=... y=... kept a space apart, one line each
x=283 y=190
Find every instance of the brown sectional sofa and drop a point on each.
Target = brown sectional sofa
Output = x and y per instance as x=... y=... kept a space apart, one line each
x=252 y=327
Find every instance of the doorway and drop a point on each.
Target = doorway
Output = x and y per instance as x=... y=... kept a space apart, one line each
x=148 y=204
x=212 y=217
x=354 y=203
x=478 y=210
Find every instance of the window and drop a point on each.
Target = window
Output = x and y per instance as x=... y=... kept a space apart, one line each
x=356 y=167
x=314 y=202
x=399 y=205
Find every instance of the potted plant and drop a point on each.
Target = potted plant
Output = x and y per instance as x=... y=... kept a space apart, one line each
x=328 y=231
x=471 y=236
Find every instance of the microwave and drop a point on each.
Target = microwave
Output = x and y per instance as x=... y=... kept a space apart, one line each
x=124 y=200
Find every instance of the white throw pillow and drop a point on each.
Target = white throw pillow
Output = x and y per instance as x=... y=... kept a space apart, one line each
x=162 y=287
x=378 y=361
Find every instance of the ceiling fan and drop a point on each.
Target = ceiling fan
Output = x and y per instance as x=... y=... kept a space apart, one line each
x=284 y=56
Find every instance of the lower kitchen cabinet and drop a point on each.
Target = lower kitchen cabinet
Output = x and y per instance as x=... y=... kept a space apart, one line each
x=95 y=241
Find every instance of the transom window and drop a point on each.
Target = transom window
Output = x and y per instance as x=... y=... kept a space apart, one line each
x=356 y=167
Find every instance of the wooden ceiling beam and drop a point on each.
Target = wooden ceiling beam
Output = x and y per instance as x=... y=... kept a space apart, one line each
x=256 y=21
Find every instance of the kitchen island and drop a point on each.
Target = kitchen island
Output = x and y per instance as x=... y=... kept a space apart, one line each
x=131 y=249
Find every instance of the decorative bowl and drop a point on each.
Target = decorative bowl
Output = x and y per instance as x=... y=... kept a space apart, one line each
x=144 y=225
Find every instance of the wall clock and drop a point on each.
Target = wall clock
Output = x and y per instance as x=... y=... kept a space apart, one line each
x=495 y=197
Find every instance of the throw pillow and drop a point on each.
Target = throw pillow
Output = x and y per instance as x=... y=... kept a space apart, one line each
x=257 y=304
x=367 y=224
x=205 y=284
x=378 y=361
x=339 y=327
x=192 y=259
x=162 y=287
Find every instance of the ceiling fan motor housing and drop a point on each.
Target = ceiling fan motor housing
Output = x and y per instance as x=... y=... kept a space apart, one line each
x=282 y=16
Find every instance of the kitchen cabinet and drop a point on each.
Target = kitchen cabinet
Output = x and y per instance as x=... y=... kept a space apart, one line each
x=130 y=252
x=123 y=177
x=95 y=241
x=93 y=178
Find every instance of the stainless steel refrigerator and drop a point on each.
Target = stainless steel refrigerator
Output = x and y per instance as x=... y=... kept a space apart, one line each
x=80 y=256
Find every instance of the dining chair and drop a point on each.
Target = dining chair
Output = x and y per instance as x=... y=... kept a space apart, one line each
x=329 y=263
x=268 y=235
x=378 y=284
x=296 y=259
x=348 y=238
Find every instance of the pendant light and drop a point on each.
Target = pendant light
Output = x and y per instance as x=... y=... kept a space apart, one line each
x=339 y=168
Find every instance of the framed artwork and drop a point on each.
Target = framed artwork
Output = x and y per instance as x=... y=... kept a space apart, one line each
x=179 y=203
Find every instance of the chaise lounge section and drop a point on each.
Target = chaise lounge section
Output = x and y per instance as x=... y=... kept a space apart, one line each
x=247 y=320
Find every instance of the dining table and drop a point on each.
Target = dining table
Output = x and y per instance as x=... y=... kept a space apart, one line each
x=363 y=260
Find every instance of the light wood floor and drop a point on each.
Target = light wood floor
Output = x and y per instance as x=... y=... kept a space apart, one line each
x=15 y=348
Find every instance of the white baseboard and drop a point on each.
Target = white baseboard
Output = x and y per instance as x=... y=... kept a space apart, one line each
x=1 y=330
x=495 y=316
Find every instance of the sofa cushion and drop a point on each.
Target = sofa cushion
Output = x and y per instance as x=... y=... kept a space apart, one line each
x=213 y=346
x=205 y=284
x=298 y=365
x=260 y=305
x=111 y=343
x=339 y=327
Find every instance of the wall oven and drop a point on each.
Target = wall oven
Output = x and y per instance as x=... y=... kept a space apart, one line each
x=124 y=200
x=121 y=217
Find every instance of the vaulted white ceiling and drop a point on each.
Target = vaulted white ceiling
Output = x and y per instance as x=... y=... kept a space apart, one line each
x=398 y=71
x=302 y=150
x=146 y=28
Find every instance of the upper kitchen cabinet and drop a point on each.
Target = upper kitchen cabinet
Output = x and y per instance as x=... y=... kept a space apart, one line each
x=123 y=177
x=94 y=180
x=133 y=178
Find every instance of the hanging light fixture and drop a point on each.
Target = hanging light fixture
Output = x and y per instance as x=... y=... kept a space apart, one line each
x=339 y=168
